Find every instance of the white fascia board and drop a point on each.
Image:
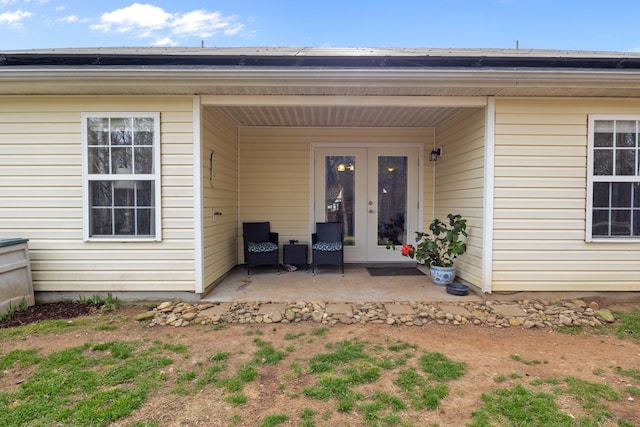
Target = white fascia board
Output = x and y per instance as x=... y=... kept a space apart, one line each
x=280 y=77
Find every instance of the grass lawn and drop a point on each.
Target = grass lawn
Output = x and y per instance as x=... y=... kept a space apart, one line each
x=108 y=370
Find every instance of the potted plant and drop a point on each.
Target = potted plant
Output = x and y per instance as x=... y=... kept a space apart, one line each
x=439 y=247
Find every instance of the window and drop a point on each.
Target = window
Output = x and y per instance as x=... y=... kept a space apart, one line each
x=121 y=176
x=613 y=196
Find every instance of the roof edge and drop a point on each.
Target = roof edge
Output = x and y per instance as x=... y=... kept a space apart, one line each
x=319 y=58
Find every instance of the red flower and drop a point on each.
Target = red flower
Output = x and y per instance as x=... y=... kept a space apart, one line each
x=406 y=249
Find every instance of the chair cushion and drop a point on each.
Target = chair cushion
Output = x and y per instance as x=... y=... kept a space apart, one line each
x=261 y=247
x=327 y=246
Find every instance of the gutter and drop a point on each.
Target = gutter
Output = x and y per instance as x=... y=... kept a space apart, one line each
x=345 y=60
x=503 y=77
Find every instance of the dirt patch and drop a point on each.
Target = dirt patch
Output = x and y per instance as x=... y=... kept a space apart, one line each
x=52 y=311
x=486 y=351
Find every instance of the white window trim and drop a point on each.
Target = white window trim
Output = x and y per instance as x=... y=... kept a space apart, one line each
x=591 y=178
x=155 y=177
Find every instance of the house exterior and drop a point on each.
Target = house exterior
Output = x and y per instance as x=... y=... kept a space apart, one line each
x=132 y=170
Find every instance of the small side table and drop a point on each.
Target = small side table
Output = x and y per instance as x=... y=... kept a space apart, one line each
x=295 y=254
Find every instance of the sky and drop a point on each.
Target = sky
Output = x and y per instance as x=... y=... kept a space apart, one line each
x=528 y=24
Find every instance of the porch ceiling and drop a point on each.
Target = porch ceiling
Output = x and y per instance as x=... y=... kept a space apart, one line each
x=332 y=116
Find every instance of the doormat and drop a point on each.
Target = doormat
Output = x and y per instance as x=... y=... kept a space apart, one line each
x=394 y=271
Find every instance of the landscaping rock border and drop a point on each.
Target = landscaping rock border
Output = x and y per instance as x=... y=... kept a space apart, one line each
x=525 y=314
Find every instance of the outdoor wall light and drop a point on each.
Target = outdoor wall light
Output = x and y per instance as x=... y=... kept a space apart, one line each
x=342 y=167
x=433 y=156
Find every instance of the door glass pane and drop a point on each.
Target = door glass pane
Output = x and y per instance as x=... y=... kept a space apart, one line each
x=339 y=193
x=392 y=199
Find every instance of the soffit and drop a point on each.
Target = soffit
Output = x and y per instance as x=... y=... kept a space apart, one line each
x=340 y=116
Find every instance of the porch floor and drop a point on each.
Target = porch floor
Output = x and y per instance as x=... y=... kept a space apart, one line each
x=328 y=284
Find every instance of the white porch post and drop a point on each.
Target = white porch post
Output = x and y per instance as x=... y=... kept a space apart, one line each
x=488 y=205
x=198 y=228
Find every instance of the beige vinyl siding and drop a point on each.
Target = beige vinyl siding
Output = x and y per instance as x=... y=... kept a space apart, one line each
x=428 y=182
x=219 y=135
x=460 y=184
x=41 y=198
x=540 y=200
x=275 y=172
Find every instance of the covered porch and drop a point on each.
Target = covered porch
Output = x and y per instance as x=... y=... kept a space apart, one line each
x=264 y=158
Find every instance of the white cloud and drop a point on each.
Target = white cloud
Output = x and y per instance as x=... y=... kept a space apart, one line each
x=201 y=23
x=165 y=41
x=70 y=19
x=14 y=19
x=148 y=21
x=135 y=18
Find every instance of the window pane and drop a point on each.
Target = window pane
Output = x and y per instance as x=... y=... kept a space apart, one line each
x=625 y=162
x=621 y=194
x=124 y=221
x=101 y=222
x=97 y=131
x=600 y=223
x=121 y=159
x=143 y=128
x=145 y=219
x=143 y=160
x=620 y=222
x=145 y=193
x=636 y=194
x=121 y=131
x=636 y=223
x=100 y=193
x=603 y=162
x=123 y=196
x=626 y=133
x=98 y=160
x=601 y=194
x=603 y=133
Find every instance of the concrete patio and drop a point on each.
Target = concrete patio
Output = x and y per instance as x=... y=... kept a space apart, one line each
x=357 y=285
x=328 y=284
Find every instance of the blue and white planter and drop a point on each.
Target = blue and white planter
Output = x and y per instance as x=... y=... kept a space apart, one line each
x=442 y=276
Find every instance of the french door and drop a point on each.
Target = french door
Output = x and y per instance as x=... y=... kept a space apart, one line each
x=374 y=192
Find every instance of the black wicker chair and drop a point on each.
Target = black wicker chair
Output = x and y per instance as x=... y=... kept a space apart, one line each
x=260 y=245
x=327 y=245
